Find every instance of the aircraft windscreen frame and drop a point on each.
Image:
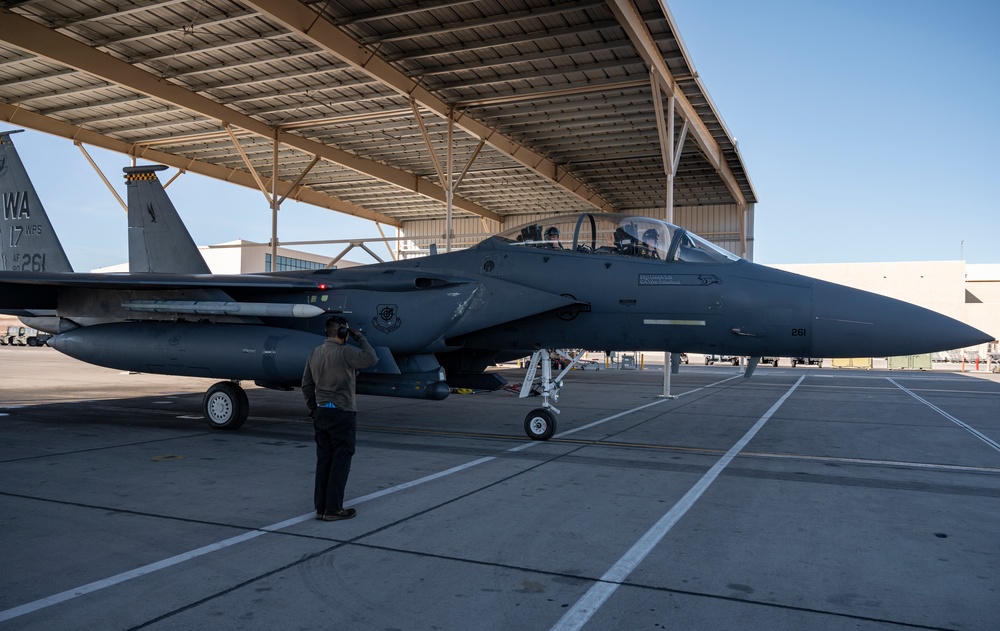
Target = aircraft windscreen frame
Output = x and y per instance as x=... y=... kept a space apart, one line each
x=619 y=234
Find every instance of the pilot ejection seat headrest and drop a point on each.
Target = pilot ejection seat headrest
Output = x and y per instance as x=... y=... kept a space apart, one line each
x=624 y=238
x=531 y=233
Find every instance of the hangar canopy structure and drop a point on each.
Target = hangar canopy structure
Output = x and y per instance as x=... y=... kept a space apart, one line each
x=448 y=120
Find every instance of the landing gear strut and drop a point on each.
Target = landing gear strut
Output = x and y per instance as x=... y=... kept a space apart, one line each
x=540 y=423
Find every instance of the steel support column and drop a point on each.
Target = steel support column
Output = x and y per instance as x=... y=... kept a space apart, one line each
x=632 y=22
x=446 y=175
x=275 y=204
x=669 y=149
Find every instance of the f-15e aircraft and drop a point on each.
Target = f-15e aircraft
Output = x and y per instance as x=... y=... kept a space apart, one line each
x=593 y=280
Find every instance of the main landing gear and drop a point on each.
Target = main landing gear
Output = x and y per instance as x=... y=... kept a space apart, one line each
x=225 y=406
x=540 y=423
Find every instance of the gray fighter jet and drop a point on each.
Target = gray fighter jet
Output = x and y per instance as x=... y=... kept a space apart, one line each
x=595 y=281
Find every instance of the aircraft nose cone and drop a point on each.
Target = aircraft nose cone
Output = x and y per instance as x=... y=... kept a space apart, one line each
x=853 y=323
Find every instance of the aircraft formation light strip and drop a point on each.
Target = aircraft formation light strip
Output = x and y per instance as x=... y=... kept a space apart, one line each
x=676 y=322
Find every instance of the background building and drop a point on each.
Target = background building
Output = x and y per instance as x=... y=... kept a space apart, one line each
x=246 y=257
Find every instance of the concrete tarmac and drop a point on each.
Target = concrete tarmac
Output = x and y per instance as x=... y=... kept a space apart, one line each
x=803 y=498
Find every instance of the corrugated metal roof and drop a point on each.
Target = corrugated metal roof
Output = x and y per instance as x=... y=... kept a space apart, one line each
x=558 y=93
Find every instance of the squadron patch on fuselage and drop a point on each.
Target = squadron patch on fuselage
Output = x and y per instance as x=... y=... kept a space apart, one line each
x=385 y=319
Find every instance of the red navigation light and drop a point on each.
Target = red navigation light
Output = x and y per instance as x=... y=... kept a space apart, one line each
x=322 y=286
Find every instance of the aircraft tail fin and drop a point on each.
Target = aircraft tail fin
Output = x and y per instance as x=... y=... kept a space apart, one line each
x=158 y=241
x=27 y=241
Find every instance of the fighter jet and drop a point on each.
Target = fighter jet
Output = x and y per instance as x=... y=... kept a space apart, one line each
x=594 y=281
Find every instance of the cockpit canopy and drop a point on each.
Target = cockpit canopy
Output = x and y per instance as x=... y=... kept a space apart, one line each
x=619 y=235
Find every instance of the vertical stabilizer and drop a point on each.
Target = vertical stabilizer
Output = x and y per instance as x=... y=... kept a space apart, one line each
x=157 y=238
x=27 y=241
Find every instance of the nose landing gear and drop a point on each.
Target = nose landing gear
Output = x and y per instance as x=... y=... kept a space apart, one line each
x=540 y=423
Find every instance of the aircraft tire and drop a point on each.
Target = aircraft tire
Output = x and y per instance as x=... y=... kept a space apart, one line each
x=540 y=424
x=225 y=406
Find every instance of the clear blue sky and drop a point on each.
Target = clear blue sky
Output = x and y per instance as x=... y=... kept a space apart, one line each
x=870 y=130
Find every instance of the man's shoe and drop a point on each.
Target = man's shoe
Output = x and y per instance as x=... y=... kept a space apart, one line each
x=344 y=513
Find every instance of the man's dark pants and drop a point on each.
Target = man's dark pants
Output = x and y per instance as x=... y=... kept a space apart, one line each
x=335 y=430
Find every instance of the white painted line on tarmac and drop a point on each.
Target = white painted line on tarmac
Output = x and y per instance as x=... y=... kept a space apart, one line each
x=124 y=576
x=419 y=481
x=986 y=439
x=596 y=596
x=247 y=536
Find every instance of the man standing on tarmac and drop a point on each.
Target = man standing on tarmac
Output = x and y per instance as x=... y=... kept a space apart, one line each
x=328 y=384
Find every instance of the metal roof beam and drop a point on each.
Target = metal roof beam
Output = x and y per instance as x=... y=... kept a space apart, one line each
x=78 y=91
x=304 y=78
x=526 y=58
x=551 y=74
x=346 y=119
x=492 y=20
x=158 y=30
x=305 y=22
x=119 y=13
x=408 y=9
x=541 y=94
x=251 y=63
x=28 y=35
x=169 y=56
x=570 y=108
x=486 y=44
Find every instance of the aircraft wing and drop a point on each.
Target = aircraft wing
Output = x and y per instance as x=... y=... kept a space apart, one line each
x=39 y=290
